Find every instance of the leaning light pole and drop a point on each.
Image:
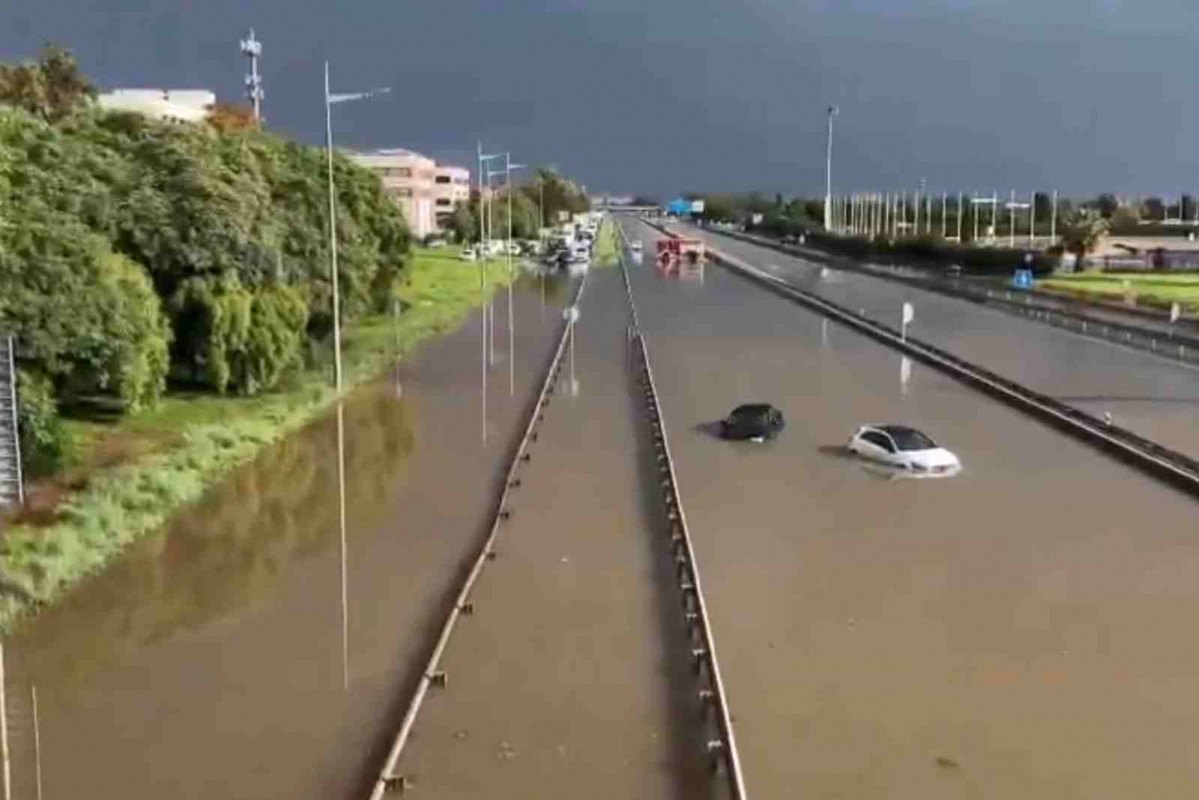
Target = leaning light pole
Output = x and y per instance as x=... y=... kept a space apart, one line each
x=828 y=172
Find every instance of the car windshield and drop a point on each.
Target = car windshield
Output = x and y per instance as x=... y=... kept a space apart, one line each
x=910 y=439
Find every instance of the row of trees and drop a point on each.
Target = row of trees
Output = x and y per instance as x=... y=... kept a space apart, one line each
x=133 y=250
x=538 y=200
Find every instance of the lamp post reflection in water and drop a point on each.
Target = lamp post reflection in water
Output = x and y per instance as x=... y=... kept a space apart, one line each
x=341 y=517
x=571 y=314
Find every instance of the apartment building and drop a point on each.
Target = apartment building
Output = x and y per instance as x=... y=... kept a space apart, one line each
x=450 y=185
x=424 y=190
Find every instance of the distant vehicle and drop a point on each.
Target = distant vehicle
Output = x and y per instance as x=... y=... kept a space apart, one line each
x=636 y=246
x=435 y=243
x=757 y=421
x=468 y=254
x=904 y=448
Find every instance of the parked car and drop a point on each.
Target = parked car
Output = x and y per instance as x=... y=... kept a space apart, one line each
x=758 y=421
x=468 y=254
x=904 y=448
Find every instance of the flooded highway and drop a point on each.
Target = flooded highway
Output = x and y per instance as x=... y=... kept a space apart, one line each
x=1155 y=397
x=207 y=661
x=1015 y=631
x=572 y=678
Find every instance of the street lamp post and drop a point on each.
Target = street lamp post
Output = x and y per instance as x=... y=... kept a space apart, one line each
x=508 y=167
x=828 y=171
x=330 y=100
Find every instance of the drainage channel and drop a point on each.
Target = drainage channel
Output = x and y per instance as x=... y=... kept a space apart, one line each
x=1159 y=461
x=390 y=778
x=722 y=744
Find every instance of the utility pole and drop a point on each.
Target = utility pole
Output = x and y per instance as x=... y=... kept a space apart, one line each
x=1032 y=219
x=828 y=171
x=944 y=206
x=961 y=198
x=1053 y=221
x=251 y=48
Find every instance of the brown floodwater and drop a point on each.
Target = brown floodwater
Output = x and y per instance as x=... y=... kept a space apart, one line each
x=207 y=661
x=572 y=678
x=1019 y=630
x=1015 y=631
x=1153 y=396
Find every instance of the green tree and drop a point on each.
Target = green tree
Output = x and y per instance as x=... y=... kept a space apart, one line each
x=463 y=223
x=1153 y=208
x=50 y=87
x=84 y=316
x=1081 y=233
x=556 y=193
x=1106 y=205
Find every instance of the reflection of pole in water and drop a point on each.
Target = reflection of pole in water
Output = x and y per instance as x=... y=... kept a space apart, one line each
x=37 y=743
x=572 y=355
x=483 y=361
x=4 y=729
x=905 y=373
x=824 y=332
x=511 y=337
x=341 y=507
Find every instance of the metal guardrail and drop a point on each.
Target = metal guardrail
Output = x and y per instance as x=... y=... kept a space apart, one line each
x=1173 y=345
x=390 y=779
x=724 y=748
x=1161 y=462
x=10 y=451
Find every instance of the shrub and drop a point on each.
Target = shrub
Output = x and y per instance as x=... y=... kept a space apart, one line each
x=41 y=432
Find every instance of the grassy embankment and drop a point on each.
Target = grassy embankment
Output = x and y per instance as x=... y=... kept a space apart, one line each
x=1152 y=290
x=125 y=478
x=607 y=244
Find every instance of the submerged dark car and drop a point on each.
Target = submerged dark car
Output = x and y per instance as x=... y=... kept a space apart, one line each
x=752 y=421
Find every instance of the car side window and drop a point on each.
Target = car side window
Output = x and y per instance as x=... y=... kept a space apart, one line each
x=879 y=440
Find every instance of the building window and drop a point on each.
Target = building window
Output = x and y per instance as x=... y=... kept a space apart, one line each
x=443 y=201
x=443 y=179
x=403 y=191
x=397 y=172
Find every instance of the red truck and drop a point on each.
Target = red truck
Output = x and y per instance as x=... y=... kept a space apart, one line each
x=673 y=250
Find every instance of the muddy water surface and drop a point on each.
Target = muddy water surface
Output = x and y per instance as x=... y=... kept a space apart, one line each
x=1017 y=631
x=208 y=661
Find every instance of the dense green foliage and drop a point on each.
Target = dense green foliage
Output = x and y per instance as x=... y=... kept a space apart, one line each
x=50 y=88
x=117 y=219
x=42 y=436
x=134 y=251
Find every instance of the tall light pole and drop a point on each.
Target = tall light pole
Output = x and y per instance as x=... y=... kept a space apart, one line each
x=828 y=171
x=330 y=100
x=508 y=167
x=486 y=231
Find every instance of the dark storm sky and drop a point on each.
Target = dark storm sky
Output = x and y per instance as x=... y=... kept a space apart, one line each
x=664 y=96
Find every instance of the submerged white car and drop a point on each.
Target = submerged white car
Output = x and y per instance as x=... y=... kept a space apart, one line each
x=903 y=448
